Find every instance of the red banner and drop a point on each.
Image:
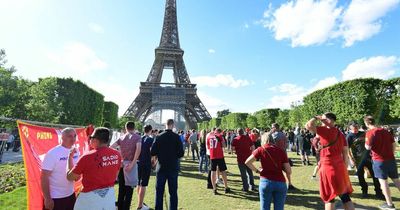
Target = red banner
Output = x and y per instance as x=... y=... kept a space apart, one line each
x=36 y=141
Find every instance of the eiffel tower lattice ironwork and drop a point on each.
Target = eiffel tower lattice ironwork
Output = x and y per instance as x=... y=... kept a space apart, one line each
x=180 y=96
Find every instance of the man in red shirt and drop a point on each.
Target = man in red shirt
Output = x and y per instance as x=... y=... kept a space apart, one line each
x=382 y=146
x=98 y=169
x=243 y=146
x=215 y=143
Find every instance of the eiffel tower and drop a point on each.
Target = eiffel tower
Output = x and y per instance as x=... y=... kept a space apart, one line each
x=180 y=96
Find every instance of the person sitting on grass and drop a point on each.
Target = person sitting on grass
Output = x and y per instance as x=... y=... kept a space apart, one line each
x=272 y=182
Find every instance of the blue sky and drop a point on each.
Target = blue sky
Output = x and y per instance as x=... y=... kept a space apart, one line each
x=244 y=55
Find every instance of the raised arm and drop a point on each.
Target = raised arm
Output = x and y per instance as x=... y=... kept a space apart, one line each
x=310 y=125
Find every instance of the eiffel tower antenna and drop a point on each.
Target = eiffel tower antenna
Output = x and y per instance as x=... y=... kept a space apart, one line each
x=180 y=96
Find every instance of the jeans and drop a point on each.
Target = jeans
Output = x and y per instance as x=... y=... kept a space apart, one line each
x=194 y=149
x=124 y=192
x=247 y=176
x=203 y=161
x=272 y=190
x=161 y=178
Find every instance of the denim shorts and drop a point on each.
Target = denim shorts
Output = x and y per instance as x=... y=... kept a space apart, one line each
x=385 y=169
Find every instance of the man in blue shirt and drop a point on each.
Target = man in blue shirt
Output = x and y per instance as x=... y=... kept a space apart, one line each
x=144 y=164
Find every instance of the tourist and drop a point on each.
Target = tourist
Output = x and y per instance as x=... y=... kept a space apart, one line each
x=361 y=158
x=244 y=146
x=304 y=147
x=215 y=143
x=333 y=176
x=382 y=145
x=58 y=192
x=316 y=147
x=193 y=139
x=203 y=152
x=130 y=145
x=144 y=166
x=10 y=141
x=98 y=169
x=167 y=148
x=272 y=182
x=280 y=140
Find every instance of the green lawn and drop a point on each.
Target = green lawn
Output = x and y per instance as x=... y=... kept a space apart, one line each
x=194 y=195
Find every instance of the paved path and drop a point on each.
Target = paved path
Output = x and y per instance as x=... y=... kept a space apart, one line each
x=11 y=157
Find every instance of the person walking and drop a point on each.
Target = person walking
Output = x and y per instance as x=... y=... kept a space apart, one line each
x=167 y=149
x=243 y=147
x=382 y=146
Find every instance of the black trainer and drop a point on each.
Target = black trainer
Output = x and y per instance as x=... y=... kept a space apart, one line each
x=227 y=190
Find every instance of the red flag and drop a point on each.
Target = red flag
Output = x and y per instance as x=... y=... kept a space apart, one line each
x=36 y=141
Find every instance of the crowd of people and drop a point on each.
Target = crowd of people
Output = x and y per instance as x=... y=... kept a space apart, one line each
x=131 y=159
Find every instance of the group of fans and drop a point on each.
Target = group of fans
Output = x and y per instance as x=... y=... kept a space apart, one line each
x=371 y=148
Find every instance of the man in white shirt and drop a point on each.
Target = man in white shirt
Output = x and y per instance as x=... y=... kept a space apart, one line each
x=57 y=191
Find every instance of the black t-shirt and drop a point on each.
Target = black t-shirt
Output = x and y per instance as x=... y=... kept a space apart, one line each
x=356 y=142
x=168 y=149
x=145 y=157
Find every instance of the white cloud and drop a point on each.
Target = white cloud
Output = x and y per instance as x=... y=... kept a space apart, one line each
x=292 y=93
x=311 y=22
x=211 y=51
x=219 y=80
x=114 y=91
x=304 y=22
x=213 y=104
x=321 y=84
x=96 y=28
x=246 y=25
x=378 y=67
x=362 y=19
x=76 y=57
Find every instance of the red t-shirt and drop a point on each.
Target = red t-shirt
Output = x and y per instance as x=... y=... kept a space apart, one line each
x=242 y=146
x=253 y=137
x=381 y=142
x=99 y=168
x=214 y=144
x=269 y=170
x=328 y=135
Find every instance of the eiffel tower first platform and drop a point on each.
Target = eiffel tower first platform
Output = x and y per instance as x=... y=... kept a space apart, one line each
x=180 y=96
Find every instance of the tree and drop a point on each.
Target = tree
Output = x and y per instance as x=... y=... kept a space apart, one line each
x=222 y=113
x=283 y=119
x=251 y=121
x=110 y=113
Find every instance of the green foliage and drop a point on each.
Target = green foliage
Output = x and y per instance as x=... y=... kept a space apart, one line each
x=123 y=120
x=251 y=121
x=234 y=121
x=223 y=113
x=65 y=101
x=283 y=118
x=110 y=113
x=12 y=176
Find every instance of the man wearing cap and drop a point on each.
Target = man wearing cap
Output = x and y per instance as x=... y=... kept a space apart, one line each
x=98 y=168
x=130 y=145
x=280 y=140
x=360 y=157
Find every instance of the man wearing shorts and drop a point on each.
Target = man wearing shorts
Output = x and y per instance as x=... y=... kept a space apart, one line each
x=144 y=166
x=382 y=146
x=215 y=143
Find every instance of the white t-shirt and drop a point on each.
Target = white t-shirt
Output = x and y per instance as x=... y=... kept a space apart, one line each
x=56 y=162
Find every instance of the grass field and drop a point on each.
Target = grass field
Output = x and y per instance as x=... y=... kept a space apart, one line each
x=194 y=195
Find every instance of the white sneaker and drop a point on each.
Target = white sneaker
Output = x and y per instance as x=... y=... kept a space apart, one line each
x=220 y=182
x=144 y=207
